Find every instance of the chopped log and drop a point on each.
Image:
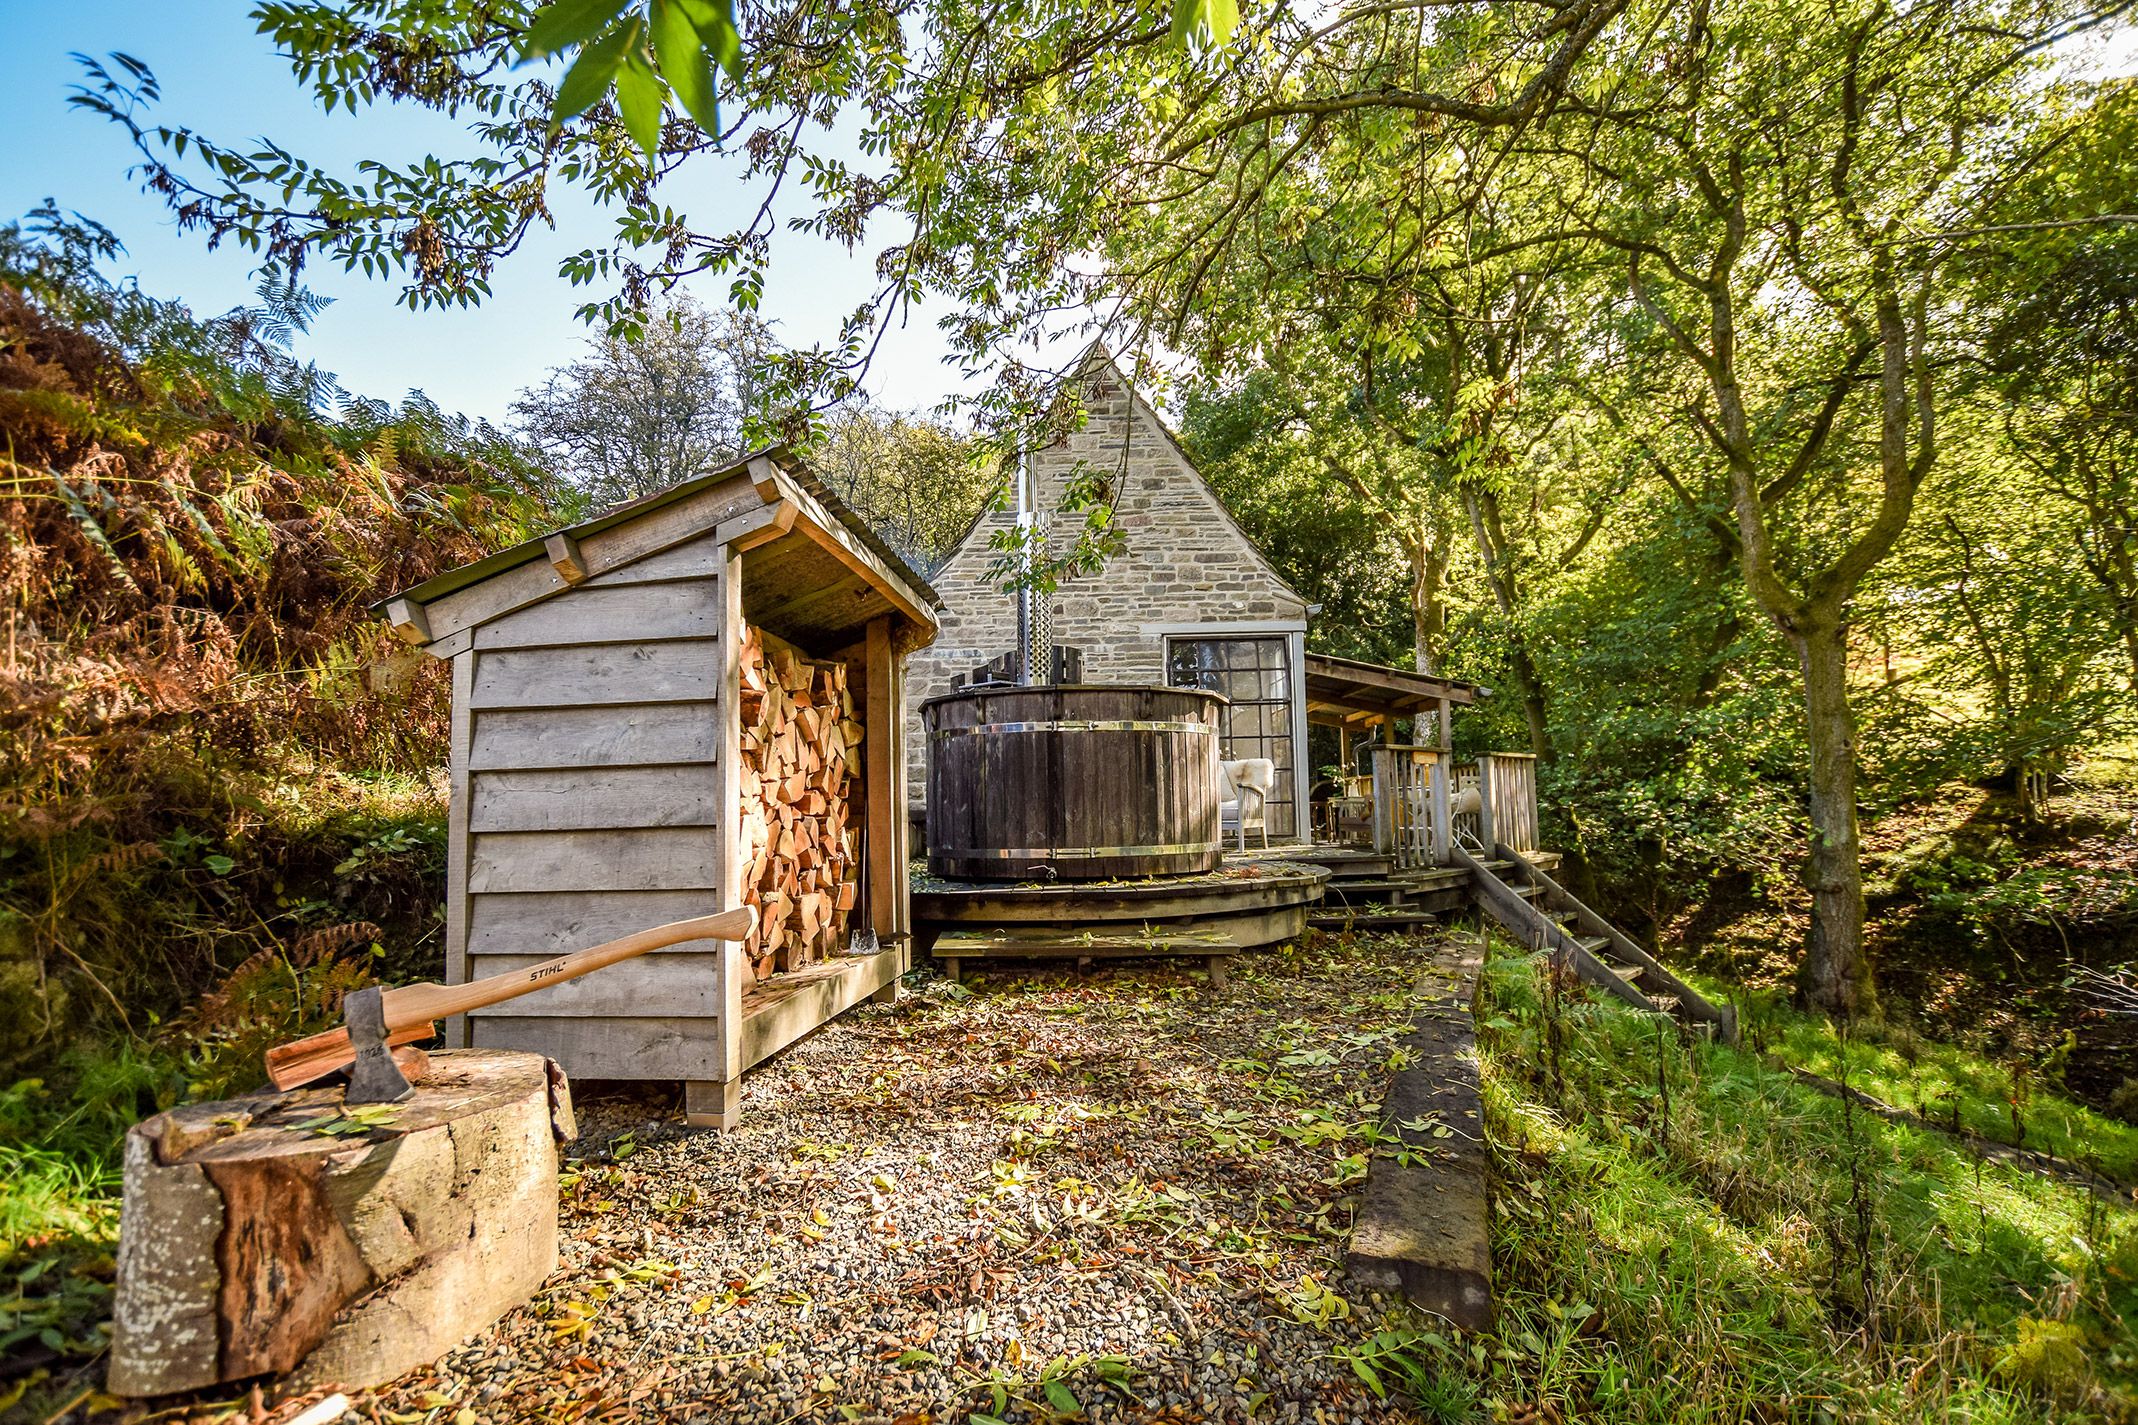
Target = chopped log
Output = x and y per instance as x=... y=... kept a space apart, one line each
x=798 y=781
x=254 y=1242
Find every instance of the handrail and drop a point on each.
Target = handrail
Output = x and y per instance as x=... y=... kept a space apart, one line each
x=1724 y=1018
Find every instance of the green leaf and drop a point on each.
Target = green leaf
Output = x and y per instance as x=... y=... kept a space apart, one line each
x=638 y=95
x=591 y=74
x=566 y=24
x=681 y=52
x=221 y=865
x=715 y=22
x=1062 y=1398
x=1211 y=21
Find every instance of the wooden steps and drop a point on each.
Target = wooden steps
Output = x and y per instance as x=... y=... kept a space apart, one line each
x=1541 y=913
x=1372 y=918
x=1040 y=942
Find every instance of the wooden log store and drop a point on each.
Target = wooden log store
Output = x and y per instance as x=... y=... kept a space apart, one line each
x=691 y=702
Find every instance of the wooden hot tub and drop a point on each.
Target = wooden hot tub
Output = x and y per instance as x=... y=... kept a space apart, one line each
x=1075 y=782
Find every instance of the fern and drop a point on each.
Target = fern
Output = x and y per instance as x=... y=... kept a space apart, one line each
x=86 y=521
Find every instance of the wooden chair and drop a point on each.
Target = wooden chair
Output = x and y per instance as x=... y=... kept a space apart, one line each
x=1243 y=789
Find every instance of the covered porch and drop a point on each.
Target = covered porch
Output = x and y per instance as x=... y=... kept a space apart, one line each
x=1409 y=802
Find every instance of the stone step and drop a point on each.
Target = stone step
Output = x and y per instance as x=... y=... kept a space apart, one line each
x=1423 y=1225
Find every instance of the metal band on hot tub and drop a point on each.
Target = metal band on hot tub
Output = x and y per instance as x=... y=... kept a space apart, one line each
x=1075 y=725
x=1073 y=853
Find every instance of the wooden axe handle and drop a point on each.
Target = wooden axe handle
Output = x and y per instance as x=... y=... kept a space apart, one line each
x=411 y=1008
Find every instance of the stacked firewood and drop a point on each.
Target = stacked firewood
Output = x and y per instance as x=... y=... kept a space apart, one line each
x=800 y=751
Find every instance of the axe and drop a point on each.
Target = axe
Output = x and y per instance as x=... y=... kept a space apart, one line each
x=377 y=1019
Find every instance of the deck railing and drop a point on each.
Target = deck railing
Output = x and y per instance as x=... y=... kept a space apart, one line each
x=1424 y=803
x=1410 y=804
x=1507 y=786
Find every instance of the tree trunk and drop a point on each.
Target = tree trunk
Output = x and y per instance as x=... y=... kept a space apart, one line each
x=1427 y=567
x=1491 y=539
x=253 y=1242
x=1835 y=976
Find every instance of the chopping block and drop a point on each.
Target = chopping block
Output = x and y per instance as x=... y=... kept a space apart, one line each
x=299 y=1236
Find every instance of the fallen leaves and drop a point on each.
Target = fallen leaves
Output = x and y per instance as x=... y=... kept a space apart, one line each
x=1061 y=1149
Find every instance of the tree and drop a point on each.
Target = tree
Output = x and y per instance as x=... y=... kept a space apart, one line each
x=1009 y=154
x=1782 y=194
x=1786 y=236
x=2061 y=305
x=640 y=413
x=919 y=482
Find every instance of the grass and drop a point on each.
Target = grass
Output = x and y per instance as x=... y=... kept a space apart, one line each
x=1989 y=1098
x=1686 y=1233
x=1683 y=1231
x=59 y=1224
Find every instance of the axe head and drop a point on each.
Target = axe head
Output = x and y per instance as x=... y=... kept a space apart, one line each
x=374 y=1077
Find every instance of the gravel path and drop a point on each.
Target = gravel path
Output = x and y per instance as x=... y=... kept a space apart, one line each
x=1116 y=1196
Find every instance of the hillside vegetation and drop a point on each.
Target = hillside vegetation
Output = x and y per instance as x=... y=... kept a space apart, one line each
x=218 y=799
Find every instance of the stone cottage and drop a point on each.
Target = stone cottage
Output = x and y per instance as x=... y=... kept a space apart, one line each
x=1190 y=601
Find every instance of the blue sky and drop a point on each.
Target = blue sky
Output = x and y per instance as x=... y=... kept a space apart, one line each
x=223 y=79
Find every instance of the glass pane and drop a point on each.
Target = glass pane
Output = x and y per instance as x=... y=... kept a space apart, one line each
x=1255 y=673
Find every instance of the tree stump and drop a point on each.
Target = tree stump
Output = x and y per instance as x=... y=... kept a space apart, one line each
x=275 y=1235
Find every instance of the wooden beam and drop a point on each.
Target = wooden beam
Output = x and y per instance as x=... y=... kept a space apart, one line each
x=760 y=526
x=564 y=554
x=458 y=902
x=721 y=1106
x=769 y=480
x=410 y=623
x=879 y=759
x=826 y=530
x=1394 y=680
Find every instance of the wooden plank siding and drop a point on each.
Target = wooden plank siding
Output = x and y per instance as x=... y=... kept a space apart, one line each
x=593 y=805
x=596 y=673
x=640 y=1047
x=638 y=613
x=546 y=923
x=685 y=986
x=630 y=735
x=653 y=858
x=698 y=559
x=594 y=798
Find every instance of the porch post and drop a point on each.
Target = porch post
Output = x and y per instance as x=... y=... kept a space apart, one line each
x=1487 y=769
x=1382 y=764
x=1437 y=771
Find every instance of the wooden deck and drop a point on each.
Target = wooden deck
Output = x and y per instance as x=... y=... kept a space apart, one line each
x=1366 y=891
x=1259 y=897
x=1243 y=904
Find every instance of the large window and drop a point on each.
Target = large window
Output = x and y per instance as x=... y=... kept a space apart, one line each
x=1256 y=673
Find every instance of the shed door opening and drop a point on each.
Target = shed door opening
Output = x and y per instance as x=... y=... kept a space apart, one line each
x=1256 y=673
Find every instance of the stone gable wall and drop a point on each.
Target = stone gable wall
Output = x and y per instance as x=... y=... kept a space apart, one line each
x=1184 y=562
